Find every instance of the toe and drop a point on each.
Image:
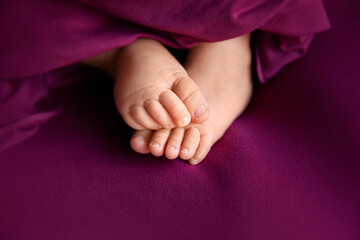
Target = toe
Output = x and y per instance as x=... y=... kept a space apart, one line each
x=140 y=140
x=158 y=142
x=158 y=113
x=142 y=118
x=189 y=93
x=174 y=142
x=175 y=107
x=202 y=150
x=190 y=143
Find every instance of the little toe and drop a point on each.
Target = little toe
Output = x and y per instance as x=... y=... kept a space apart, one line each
x=174 y=142
x=158 y=142
x=140 y=140
x=158 y=113
x=189 y=93
x=190 y=143
x=176 y=108
x=142 y=117
x=202 y=150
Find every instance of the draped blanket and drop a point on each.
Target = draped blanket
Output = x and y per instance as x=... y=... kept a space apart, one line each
x=287 y=169
x=39 y=36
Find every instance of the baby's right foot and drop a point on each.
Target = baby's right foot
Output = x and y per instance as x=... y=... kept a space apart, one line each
x=152 y=90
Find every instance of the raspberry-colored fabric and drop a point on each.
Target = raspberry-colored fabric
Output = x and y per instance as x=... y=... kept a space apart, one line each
x=38 y=36
x=287 y=169
x=41 y=35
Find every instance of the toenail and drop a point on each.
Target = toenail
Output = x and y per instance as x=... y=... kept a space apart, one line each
x=172 y=148
x=194 y=161
x=155 y=144
x=185 y=121
x=200 y=111
x=185 y=150
x=141 y=138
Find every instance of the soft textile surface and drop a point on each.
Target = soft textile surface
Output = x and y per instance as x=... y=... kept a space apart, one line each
x=287 y=169
x=42 y=35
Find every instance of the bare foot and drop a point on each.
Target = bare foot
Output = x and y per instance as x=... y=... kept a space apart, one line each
x=152 y=90
x=222 y=71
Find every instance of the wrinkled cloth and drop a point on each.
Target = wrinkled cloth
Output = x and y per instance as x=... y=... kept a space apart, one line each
x=39 y=36
x=287 y=169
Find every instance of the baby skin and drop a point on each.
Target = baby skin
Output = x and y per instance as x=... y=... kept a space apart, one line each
x=152 y=89
x=177 y=111
x=222 y=70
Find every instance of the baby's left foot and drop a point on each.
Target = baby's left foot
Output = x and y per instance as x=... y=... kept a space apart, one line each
x=152 y=89
x=223 y=73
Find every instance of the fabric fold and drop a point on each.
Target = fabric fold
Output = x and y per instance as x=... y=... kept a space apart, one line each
x=39 y=36
x=46 y=35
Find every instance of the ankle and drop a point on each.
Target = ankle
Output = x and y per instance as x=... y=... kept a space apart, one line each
x=106 y=62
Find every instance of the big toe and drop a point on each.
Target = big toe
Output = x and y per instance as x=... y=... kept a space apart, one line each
x=189 y=93
x=139 y=142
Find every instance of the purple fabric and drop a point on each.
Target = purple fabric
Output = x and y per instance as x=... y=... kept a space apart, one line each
x=287 y=169
x=46 y=35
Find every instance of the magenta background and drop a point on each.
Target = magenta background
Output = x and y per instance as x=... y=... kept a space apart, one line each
x=289 y=168
x=40 y=36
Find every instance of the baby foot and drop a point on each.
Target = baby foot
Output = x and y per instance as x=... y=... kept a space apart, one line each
x=222 y=71
x=152 y=90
